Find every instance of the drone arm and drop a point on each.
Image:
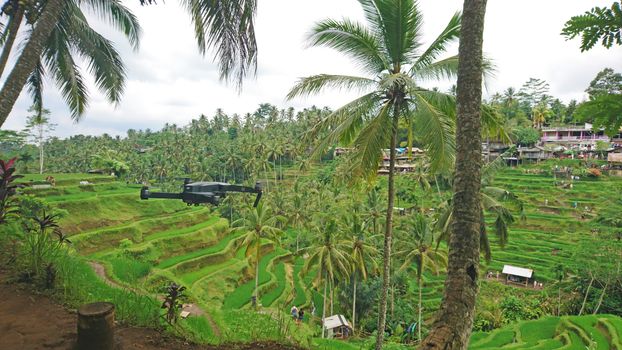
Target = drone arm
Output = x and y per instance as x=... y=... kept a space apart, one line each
x=145 y=194
x=257 y=189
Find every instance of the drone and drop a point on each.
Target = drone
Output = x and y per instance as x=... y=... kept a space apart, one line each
x=195 y=193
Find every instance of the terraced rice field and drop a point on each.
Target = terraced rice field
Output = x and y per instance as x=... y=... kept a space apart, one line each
x=598 y=332
x=145 y=245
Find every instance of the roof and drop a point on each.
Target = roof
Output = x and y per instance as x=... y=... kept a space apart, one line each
x=517 y=271
x=335 y=321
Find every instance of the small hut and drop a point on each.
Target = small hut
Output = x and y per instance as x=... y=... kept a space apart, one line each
x=337 y=327
x=518 y=275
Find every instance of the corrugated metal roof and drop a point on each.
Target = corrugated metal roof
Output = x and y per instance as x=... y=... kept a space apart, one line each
x=335 y=321
x=517 y=271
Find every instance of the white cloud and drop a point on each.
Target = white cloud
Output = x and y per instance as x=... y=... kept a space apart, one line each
x=169 y=81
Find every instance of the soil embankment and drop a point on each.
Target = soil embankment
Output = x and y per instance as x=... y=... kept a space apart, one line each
x=33 y=321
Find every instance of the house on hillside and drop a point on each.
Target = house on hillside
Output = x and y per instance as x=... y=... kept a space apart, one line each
x=534 y=154
x=579 y=137
x=517 y=275
x=337 y=327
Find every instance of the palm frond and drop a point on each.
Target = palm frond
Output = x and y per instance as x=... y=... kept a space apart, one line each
x=444 y=69
x=119 y=16
x=35 y=86
x=351 y=39
x=343 y=124
x=439 y=45
x=484 y=243
x=401 y=32
x=228 y=27
x=435 y=126
x=103 y=60
x=369 y=144
x=58 y=59
x=493 y=125
x=316 y=83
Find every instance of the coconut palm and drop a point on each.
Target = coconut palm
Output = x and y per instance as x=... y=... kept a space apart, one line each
x=259 y=225
x=540 y=114
x=388 y=49
x=417 y=249
x=373 y=207
x=494 y=200
x=454 y=323
x=72 y=38
x=328 y=261
x=362 y=254
x=226 y=26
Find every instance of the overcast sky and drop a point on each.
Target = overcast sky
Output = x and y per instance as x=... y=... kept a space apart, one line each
x=169 y=81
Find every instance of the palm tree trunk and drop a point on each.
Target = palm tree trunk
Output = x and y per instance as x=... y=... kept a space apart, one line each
x=29 y=57
x=420 y=311
x=455 y=318
x=332 y=295
x=388 y=235
x=324 y=306
x=587 y=292
x=354 y=305
x=257 y=275
x=12 y=28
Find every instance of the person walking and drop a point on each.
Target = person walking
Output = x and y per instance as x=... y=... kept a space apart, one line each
x=294 y=312
x=301 y=316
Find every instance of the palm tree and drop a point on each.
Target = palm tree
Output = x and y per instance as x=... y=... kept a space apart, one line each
x=298 y=213
x=373 y=206
x=73 y=36
x=493 y=200
x=362 y=254
x=455 y=318
x=226 y=26
x=387 y=48
x=540 y=114
x=328 y=260
x=259 y=225
x=417 y=249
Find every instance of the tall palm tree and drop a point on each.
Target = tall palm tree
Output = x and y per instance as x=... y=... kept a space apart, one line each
x=71 y=36
x=455 y=318
x=388 y=48
x=362 y=254
x=259 y=225
x=540 y=114
x=226 y=26
x=494 y=200
x=417 y=249
x=328 y=260
x=373 y=207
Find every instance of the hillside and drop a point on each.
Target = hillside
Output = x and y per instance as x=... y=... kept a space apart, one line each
x=145 y=245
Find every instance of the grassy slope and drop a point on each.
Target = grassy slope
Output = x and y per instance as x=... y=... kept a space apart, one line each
x=175 y=242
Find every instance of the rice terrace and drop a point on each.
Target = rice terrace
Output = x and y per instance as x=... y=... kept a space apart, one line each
x=418 y=209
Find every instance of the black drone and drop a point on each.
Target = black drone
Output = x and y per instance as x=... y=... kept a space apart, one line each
x=195 y=193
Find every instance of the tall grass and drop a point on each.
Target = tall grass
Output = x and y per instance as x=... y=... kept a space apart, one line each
x=78 y=284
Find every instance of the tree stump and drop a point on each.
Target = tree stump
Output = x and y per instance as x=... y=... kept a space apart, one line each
x=96 y=326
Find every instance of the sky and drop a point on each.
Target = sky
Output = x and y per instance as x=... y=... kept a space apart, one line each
x=168 y=81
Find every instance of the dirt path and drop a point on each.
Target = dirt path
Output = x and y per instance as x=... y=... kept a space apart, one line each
x=31 y=321
x=193 y=309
